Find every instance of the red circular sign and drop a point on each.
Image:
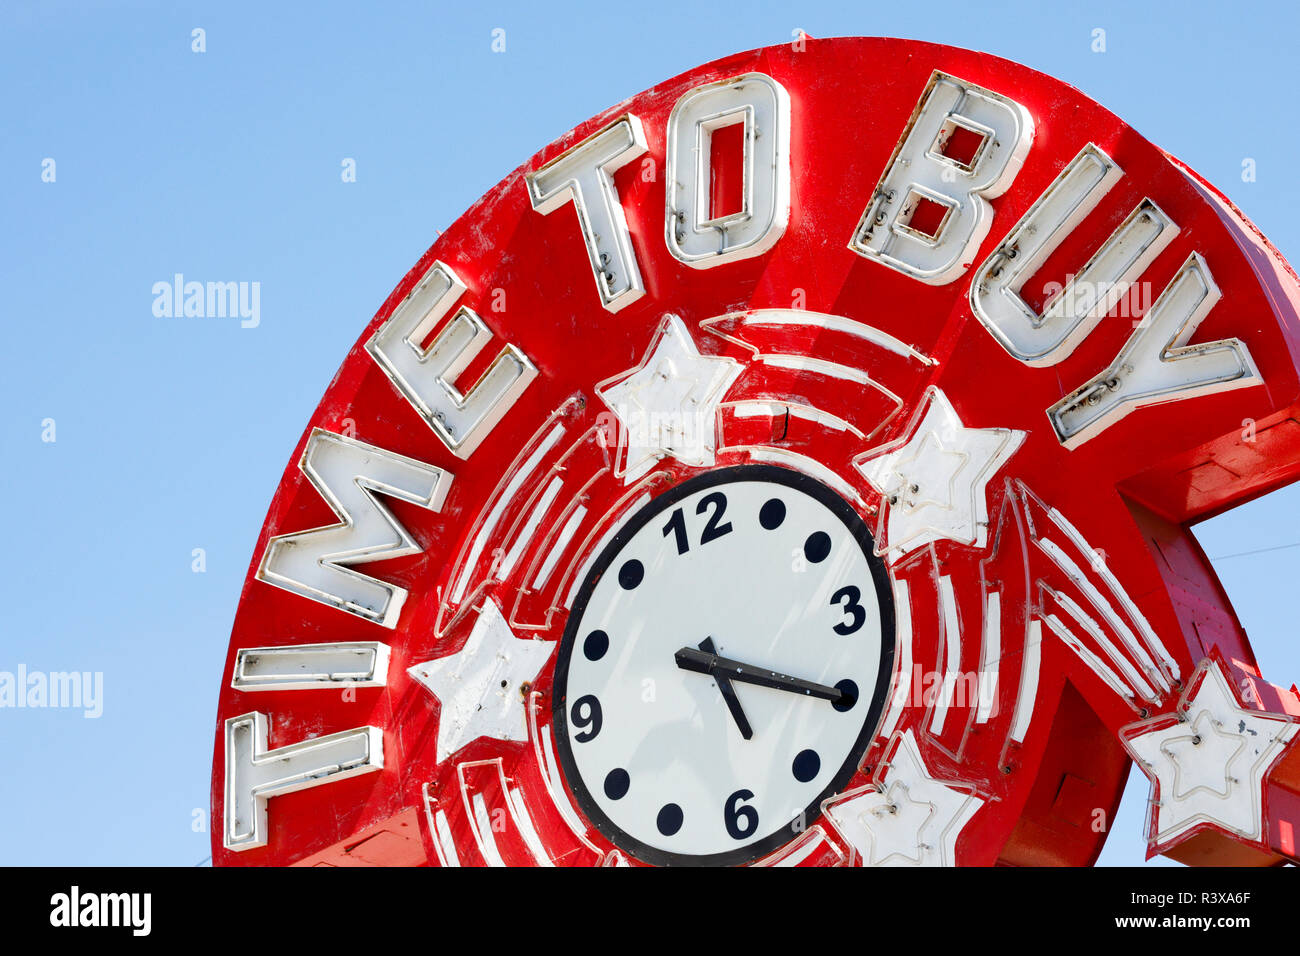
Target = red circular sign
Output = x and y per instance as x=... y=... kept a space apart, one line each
x=834 y=415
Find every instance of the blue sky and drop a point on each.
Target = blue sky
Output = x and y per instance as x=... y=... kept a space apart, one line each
x=171 y=436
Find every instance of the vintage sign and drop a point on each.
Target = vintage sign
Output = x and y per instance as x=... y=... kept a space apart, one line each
x=792 y=465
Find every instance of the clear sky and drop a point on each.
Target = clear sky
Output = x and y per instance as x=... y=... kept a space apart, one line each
x=171 y=436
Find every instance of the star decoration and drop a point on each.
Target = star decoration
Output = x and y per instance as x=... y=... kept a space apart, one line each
x=911 y=816
x=914 y=821
x=935 y=481
x=480 y=686
x=668 y=404
x=1207 y=761
x=1205 y=744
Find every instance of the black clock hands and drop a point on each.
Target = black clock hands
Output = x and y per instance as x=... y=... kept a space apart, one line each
x=728 y=692
x=704 y=662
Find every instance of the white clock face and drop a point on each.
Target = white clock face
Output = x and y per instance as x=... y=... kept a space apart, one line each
x=724 y=667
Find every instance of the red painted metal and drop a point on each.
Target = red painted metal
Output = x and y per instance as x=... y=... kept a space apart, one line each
x=1132 y=492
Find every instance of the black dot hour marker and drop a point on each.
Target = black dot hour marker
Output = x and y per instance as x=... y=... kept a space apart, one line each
x=850 y=692
x=617 y=783
x=817 y=547
x=772 y=514
x=595 y=646
x=669 y=820
x=806 y=765
x=630 y=574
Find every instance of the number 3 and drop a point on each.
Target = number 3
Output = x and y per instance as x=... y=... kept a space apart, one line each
x=851 y=597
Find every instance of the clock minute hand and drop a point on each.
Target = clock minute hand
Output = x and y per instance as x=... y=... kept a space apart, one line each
x=701 y=662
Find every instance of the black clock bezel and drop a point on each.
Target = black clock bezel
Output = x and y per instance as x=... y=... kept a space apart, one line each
x=848 y=515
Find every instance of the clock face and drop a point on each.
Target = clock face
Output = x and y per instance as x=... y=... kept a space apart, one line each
x=724 y=668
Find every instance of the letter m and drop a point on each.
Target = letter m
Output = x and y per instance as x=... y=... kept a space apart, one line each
x=317 y=564
x=223 y=299
x=115 y=909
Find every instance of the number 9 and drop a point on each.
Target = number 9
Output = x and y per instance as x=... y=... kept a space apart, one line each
x=586 y=714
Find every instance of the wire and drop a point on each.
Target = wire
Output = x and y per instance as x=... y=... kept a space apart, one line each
x=1243 y=554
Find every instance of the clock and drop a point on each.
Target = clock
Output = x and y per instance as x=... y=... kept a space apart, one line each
x=724 y=667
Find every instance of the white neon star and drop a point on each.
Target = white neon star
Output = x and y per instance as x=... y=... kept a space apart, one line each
x=479 y=685
x=1209 y=767
x=914 y=822
x=935 y=481
x=669 y=403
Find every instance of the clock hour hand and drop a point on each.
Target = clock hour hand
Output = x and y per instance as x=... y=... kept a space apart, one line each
x=729 y=694
x=703 y=662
